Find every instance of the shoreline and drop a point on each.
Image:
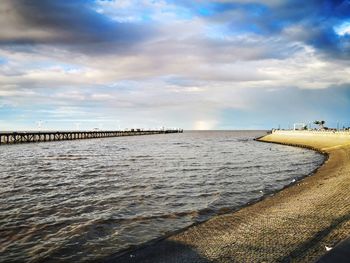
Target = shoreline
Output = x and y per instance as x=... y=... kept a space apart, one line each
x=152 y=242
x=261 y=230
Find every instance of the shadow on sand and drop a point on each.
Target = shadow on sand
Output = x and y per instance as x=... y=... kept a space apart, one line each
x=164 y=251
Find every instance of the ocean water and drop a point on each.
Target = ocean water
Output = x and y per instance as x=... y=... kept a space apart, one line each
x=82 y=200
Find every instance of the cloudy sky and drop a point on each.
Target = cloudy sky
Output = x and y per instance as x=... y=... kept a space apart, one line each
x=194 y=64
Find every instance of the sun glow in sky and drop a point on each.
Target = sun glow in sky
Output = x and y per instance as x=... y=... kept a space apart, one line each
x=223 y=64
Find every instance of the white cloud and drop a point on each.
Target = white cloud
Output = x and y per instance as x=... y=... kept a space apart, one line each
x=210 y=73
x=343 y=29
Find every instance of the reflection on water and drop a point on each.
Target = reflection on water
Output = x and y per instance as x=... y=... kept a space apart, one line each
x=84 y=200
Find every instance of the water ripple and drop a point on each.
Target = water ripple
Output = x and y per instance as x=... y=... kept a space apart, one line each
x=83 y=200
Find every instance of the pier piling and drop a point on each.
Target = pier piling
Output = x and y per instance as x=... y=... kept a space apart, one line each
x=47 y=136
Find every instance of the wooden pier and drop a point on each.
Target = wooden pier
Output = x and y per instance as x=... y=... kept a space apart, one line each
x=48 y=136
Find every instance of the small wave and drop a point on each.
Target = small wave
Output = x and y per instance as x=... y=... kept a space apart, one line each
x=126 y=220
x=228 y=140
x=190 y=146
x=243 y=140
x=194 y=169
x=221 y=169
x=254 y=166
x=69 y=157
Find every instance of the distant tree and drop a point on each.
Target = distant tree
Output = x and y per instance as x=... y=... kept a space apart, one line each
x=320 y=123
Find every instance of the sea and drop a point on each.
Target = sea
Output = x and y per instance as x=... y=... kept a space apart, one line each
x=85 y=200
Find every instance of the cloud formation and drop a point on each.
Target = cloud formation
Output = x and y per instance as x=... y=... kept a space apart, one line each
x=191 y=64
x=74 y=24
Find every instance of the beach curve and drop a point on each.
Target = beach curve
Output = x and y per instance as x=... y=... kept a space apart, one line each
x=294 y=225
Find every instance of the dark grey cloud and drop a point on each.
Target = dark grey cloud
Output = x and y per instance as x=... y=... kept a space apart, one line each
x=72 y=23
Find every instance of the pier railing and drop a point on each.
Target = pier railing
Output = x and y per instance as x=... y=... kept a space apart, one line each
x=48 y=136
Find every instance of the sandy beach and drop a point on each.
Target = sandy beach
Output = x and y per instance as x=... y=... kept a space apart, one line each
x=293 y=225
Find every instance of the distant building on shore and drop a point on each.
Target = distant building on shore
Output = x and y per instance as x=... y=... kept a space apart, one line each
x=299 y=126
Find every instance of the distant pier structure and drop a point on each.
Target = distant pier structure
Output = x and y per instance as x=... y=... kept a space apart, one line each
x=48 y=136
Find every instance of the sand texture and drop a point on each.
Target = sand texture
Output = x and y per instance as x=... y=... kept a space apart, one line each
x=293 y=225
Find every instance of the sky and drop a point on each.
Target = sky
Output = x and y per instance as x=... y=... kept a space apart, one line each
x=194 y=64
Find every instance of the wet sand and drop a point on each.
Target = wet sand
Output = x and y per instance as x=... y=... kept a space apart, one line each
x=294 y=225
